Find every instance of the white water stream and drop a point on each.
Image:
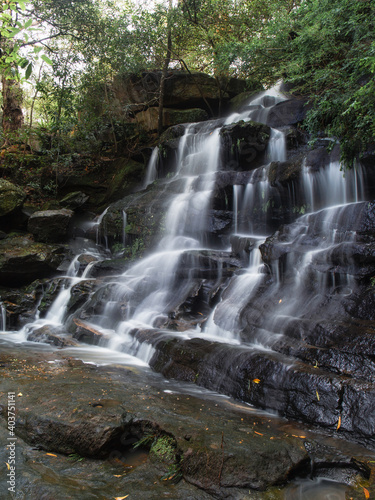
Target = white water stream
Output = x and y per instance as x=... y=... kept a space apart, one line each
x=151 y=288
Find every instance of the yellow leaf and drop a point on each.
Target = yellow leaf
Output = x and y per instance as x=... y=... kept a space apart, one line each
x=259 y=433
x=338 y=423
x=121 y=498
x=366 y=492
x=280 y=301
x=19 y=394
x=51 y=455
x=317 y=395
x=256 y=380
x=8 y=466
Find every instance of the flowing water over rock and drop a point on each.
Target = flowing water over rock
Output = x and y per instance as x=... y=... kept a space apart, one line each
x=255 y=281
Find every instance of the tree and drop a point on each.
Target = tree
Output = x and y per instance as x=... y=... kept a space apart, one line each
x=28 y=29
x=332 y=61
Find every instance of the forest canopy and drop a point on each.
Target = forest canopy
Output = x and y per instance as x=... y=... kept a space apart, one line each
x=55 y=52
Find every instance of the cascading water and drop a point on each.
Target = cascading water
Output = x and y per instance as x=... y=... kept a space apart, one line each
x=151 y=289
x=3 y=318
x=151 y=173
x=282 y=280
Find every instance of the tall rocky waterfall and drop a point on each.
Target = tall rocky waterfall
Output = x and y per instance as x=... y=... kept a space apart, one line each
x=256 y=275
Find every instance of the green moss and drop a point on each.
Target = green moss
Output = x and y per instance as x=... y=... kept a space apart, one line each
x=164 y=450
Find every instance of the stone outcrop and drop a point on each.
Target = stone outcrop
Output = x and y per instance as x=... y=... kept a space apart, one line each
x=11 y=197
x=246 y=142
x=148 y=119
x=50 y=226
x=183 y=89
x=95 y=415
x=23 y=261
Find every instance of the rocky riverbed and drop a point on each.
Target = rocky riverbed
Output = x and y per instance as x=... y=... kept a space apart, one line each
x=94 y=431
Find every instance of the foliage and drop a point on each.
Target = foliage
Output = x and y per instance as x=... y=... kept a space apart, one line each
x=332 y=60
x=324 y=48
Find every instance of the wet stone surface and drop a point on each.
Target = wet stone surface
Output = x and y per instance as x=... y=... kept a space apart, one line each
x=76 y=425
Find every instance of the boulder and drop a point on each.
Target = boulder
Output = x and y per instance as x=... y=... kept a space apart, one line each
x=148 y=119
x=11 y=197
x=50 y=226
x=74 y=200
x=23 y=261
x=290 y=112
x=246 y=144
x=182 y=90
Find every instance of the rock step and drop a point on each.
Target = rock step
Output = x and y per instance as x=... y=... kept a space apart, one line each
x=268 y=380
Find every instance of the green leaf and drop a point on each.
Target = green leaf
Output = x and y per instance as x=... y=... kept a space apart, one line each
x=46 y=59
x=37 y=49
x=28 y=24
x=13 y=33
x=28 y=71
x=22 y=5
x=23 y=62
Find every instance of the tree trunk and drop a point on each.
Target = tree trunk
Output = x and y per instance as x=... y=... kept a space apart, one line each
x=12 y=120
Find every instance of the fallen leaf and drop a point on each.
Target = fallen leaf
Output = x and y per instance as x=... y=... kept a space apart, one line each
x=8 y=466
x=19 y=394
x=366 y=492
x=317 y=395
x=51 y=455
x=121 y=498
x=259 y=433
x=256 y=380
x=338 y=423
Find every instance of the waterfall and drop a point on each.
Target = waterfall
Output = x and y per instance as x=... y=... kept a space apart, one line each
x=286 y=276
x=3 y=318
x=151 y=171
x=124 y=224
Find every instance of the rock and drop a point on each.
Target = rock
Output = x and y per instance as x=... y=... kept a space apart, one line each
x=23 y=261
x=86 y=333
x=226 y=450
x=105 y=184
x=74 y=200
x=246 y=142
x=51 y=335
x=242 y=244
x=148 y=119
x=51 y=226
x=238 y=102
x=11 y=197
x=290 y=112
x=182 y=90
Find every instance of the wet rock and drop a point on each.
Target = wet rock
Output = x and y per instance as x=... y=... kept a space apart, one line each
x=23 y=261
x=289 y=112
x=84 y=332
x=246 y=143
x=242 y=244
x=51 y=226
x=207 y=264
x=80 y=293
x=226 y=450
x=271 y=381
x=51 y=335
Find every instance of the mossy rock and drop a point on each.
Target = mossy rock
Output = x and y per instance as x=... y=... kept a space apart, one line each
x=11 y=197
